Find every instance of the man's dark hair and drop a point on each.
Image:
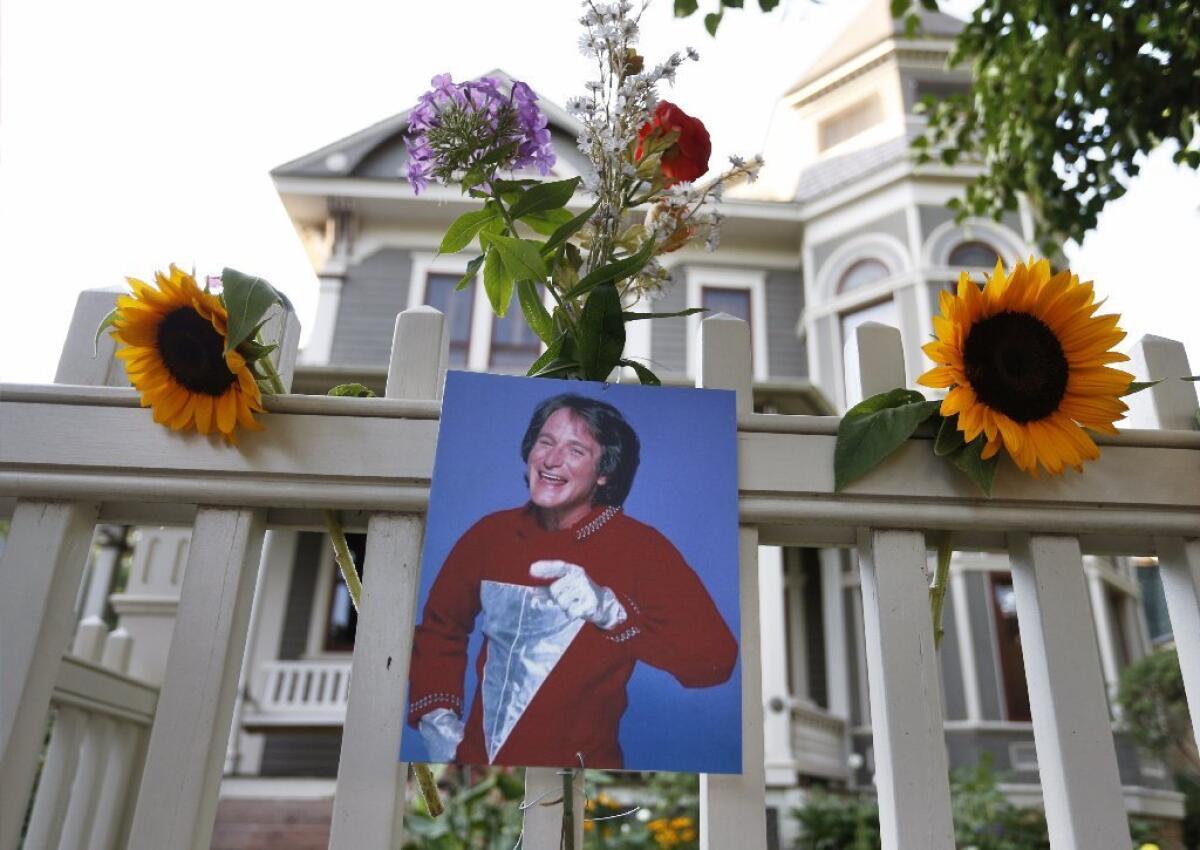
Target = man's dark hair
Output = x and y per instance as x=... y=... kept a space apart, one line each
x=619 y=446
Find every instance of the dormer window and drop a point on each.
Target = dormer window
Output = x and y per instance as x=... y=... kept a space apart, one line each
x=850 y=122
x=863 y=274
x=973 y=254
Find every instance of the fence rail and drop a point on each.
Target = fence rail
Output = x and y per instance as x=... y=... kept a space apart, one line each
x=71 y=456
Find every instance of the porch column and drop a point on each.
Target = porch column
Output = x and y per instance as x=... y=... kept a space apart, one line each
x=146 y=610
x=837 y=660
x=329 y=298
x=777 y=715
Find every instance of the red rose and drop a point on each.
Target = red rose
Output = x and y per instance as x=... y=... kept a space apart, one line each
x=687 y=159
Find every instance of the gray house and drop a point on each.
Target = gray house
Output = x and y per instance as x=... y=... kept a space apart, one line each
x=842 y=228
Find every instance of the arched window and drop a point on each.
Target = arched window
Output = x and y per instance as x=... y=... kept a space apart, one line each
x=863 y=273
x=973 y=253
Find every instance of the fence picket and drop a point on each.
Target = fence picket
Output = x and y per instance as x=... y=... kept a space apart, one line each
x=733 y=807
x=368 y=808
x=40 y=573
x=1072 y=730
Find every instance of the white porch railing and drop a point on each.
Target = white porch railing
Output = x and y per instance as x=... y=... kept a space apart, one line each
x=300 y=693
x=73 y=455
x=819 y=742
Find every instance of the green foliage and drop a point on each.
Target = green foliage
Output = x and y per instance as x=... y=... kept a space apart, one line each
x=1062 y=103
x=984 y=819
x=479 y=816
x=247 y=298
x=874 y=428
x=352 y=391
x=968 y=458
x=465 y=228
x=1153 y=703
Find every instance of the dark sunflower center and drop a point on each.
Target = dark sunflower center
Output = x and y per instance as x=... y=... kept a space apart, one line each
x=1016 y=365
x=193 y=352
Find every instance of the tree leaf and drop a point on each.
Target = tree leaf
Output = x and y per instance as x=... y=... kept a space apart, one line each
x=614 y=271
x=767 y=5
x=601 y=332
x=553 y=350
x=535 y=311
x=548 y=221
x=1138 y=386
x=566 y=231
x=647 y=377
x=497 y=282
x=247 y=299
x=683 y=8
x=465 y=228
x=712 y=21
x=107 y=322
x=469 y=274
x=949 y=438
x=874 y=428
x=353 y=391
x=543 y=197
x=522 y=257
x=631 y=316
x=969 y=459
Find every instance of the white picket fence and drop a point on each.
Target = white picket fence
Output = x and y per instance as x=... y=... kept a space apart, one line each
x=72 y=456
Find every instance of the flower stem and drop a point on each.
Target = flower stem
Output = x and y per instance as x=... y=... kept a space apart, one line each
x=345 y=562
x=568 y=828
x=276 y=382
x=937 y=593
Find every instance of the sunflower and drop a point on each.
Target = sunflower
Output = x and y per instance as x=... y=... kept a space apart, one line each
x=1026 y=361
x=175 y=357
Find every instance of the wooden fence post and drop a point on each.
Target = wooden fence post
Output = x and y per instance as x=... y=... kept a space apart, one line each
x=177 y=800
x=911 y=772
x=368 y=809
x=733 y=809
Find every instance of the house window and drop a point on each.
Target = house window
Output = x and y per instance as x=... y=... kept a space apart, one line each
x=456 y=307
x=1154 y=601
x=513 y=343
x=735 y=302
x=973 y=253
x=1008 y=643
x=862 y=274
x=342 y=621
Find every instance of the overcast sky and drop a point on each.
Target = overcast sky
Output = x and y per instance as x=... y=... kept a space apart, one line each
x=134 y=133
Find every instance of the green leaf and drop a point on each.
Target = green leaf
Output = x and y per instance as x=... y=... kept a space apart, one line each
x=515 y=186
x=601 y=332
x=647 y=377
x=553 y=350
x=352 y=390
x=969 y=459
x=874 y=428
x=1138 y=386
x=469 y=274
x=566 y=231
x=630 y=316
x=254 y=351
x=1191 y=378
x=548 y=221
x=465 y=228
x=535 y=311
x=522 y=257
x=543 y=197
x=614 y=271
x=767 y=5
x=733 y=4
x=497 y=282
x=247 y=299
x=683 y=8
x=107 y=322
x=712 y=21
x=949 y=438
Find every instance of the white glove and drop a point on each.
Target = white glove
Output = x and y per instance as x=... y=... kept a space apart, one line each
x=578 y=595
x=442 y=732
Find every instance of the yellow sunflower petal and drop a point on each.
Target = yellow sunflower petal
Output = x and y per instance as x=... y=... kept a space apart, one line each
x=204 y=414
x=941 y=376
x=226 y=410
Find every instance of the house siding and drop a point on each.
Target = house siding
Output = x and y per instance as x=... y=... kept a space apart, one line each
x=668 y=337
x=293 y=641
x=953 y=695
x=312 y=754
x=786 y=354
x=375 y=290
x=979 y=605
x=893 y=224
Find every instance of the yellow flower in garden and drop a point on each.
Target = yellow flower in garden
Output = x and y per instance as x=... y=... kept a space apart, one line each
x=1027 y=364
x=174 y=337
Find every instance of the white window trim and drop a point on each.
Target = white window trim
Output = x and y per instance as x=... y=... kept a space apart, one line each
x=755 y=281
x=319 y=613
x=423 y=263
x=935 y=255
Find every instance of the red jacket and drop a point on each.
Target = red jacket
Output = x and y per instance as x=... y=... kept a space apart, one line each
x=671 y=623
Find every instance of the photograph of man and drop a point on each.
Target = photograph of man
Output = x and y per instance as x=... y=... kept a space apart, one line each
x=574 y=593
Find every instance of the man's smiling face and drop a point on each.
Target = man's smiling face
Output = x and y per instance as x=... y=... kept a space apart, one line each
x=562 y=468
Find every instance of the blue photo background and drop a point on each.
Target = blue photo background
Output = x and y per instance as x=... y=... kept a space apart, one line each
x=686 y=487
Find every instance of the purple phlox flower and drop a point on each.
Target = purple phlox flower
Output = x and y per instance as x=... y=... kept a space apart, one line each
x=477 y=98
